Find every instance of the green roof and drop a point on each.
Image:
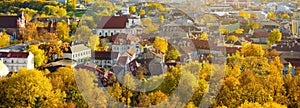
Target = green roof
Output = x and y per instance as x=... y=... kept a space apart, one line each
x=268 y=23
x=231 y=27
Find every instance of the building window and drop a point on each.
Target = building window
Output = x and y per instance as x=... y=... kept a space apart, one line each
x=111 y=34
x=100 y=34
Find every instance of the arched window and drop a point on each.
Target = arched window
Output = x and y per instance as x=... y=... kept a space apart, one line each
x=100 y=34
x=111 y=34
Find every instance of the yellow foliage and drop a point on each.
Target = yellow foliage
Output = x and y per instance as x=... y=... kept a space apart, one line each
x=249 y=49
x=239 y=31
x=142 y=12
x=203 y=36
x=254 y=15
x=285 y=16
x=271 y=15
x=161 y=44
x=232 y=38
x=94 y=42
x=4 y=40
x=223 y=31
x=132 y=9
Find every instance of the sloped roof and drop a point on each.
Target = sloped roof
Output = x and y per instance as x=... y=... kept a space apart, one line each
x=123 y=60
x=112 y=22
x=201 y=44
x=268 y=23
x=8 y=21
x=77 y=48
x=14 y=54
x=100 y=55
x=231 y=27
x=260 y=34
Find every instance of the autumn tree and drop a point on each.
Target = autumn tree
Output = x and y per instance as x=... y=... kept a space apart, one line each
x=63 y=79
x=223 y=31
x=172 y=54
x=232 y=38
x=239 y=31
x=28 y=13
x=142 y=12
x=88 y=86
x=204 y=36
x=244 y=14
x=285 y=16
x=254 y=15
x=274 y=37
x=271 y=15
x=94 y=42
x=249 y=49
x=39 y=55
x=161 y=44
x=63 y=30
x=132 y=9
x=252 y=25
x=103 y=45
x=83 y=33
x=30 y=88
x=157 y=97
x=150 y=28
x=5 y=39
x=29 y=33
x=147 y=21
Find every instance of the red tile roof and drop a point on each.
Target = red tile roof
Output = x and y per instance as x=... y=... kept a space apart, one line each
x=14 y=54
x=112 y=22
x=260 y=34
x=201 y=44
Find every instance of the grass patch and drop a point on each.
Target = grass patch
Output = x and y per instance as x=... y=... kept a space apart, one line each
x=78 y=13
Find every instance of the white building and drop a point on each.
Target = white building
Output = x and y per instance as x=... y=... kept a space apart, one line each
x=122 y=42
x=79 y=53
x=105 y=59
x=111 y=25
x=4 y=71
x=17 y=60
